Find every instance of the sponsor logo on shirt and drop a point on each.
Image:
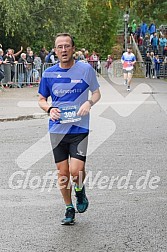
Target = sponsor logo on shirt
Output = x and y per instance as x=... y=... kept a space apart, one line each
x=67 y=91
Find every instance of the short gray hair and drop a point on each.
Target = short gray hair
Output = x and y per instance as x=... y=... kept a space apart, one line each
x=23 y=54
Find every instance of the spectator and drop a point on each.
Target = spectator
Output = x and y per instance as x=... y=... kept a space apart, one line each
x=162 y=44
x=28 y=51
x=21 y=68
x=30 y=63
x=146 y=44
x=143 y=29
x=1 y=62
x=152 y=29
x=140 y=43
x=129 y=29
x=138 y=34
x=157 y=65
x=42 y=54
x=37 y=68
x=165 y=67
x=51 y=57
x=9 y=58
x=109 y=62
x=1 y=56
x=76 y=55
x=134 y=26
x=81 y=55
x=148 y=63
x=86 y=54
x=93 y=60
x=154 y=43
x=152 y=64
x=165 y=50
x=161 y=30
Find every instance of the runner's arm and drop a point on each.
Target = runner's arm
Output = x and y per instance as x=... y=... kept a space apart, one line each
x=53 y=112
x=122 y=59
x=96 y=95
x=86 y=106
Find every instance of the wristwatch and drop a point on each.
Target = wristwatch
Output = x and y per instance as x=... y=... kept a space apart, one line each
x=91 y=102
x=49 y=110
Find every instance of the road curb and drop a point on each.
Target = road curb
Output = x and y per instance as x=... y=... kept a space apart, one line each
x=25 y=117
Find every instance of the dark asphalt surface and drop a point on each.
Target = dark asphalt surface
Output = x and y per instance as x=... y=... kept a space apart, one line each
x=119 y=219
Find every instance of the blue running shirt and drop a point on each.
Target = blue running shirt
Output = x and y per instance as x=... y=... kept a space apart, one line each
x=128 y=58
x=69 y=89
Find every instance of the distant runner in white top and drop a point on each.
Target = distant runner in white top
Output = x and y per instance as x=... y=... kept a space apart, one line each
x=128 y=60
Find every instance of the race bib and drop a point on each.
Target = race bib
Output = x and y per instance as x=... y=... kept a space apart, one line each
x=69 y=114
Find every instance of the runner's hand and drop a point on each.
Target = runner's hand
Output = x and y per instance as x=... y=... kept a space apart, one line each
x=54 y=114
x=84 y=109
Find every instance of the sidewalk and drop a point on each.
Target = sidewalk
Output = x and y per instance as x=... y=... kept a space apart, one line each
x=20 y=104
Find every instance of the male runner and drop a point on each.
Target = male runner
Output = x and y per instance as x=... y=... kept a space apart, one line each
x=128 y=60
x=68 y=83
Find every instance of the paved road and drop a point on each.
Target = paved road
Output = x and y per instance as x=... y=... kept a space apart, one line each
x=126 y=182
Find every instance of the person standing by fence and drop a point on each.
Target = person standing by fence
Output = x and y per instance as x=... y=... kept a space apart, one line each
x=29 y=68
x=93 y=60
x=2 y=75
x=148 y=63
x=21 y=69
x=10 y=59
x=157 y=61
x=152 y=65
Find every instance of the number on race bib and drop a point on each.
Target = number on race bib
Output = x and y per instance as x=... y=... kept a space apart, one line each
x=69 y=114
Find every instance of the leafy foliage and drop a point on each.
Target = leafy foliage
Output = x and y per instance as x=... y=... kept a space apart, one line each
x=93 y=23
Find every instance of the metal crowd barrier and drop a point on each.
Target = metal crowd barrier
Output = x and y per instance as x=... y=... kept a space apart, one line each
x=140 y=70
x=23 y=77
x=116 y=70
x=151 y=71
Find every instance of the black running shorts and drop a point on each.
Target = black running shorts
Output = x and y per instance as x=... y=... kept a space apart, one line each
x=69 y=145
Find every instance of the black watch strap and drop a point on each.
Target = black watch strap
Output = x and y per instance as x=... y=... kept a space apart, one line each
x=91 y=102
x=49 y=110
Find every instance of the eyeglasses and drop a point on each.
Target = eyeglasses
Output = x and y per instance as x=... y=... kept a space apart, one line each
x=66 y=47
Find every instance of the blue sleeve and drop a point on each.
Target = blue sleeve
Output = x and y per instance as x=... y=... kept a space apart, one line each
x=122 y=57
x=43 y=87
x=93 y=83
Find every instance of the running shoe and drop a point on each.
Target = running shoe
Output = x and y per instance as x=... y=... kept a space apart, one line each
x=82 y=201
x=128 y=88
x=69 y=216
x=125 y=82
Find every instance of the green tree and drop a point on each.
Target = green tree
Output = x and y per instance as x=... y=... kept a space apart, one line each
x=37 y=24
x=93 y=23
x=101 y=28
